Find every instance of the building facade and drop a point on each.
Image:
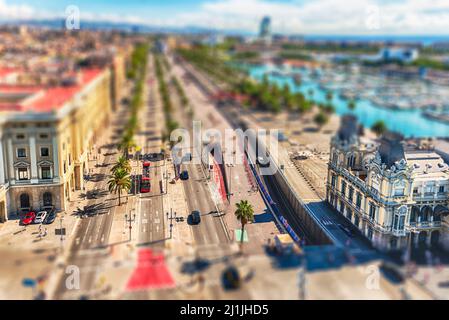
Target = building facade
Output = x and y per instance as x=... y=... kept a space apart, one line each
x=395 y=193
x=46 y=136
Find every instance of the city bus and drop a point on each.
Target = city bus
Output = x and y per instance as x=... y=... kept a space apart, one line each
x=146 y=168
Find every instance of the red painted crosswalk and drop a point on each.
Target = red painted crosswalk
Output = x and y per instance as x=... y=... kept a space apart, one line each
x=151 y=272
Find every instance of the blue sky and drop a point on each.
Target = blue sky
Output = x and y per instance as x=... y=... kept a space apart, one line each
x=393 y=17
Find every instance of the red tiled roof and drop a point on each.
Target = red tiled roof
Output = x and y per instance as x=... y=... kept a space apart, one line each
x=49 y=99
x=6 y=71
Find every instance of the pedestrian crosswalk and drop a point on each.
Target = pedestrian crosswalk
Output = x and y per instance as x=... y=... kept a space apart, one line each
x=327 y=221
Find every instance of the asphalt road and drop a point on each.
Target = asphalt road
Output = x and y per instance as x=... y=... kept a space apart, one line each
x=210 y=230
x=152 y=215
x=91 y=234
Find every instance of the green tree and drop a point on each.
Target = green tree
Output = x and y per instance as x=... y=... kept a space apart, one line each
x=244 y=213
x=119 y=181
x=321 y=119
x=379 y=128
x=352 y=105
x=127 y=143
x=328 y=108
x=122 y=163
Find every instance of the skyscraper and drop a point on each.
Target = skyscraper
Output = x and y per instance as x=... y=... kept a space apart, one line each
x=265 y=29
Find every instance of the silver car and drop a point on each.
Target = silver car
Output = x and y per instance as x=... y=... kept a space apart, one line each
x=40 y=217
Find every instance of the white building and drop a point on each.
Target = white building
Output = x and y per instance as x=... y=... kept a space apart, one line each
x=395 y=193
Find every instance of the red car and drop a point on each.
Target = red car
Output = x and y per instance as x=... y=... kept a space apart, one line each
x=28 y=218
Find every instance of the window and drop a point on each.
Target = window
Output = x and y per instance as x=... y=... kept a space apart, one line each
x=351 y=194
x=334 y=158
x=43 y=136
x=372 y=211
x=21 y=153
x=375 y=182
x=23 y=173
x=343 y=187
x=350 y=161
x=358 y=200
x=349 y=214
x=399 y=219
x=399 y=189
x=441 y=189
x=45 y=152
x=356 y=221
x=333 y=181
x=415 y=191
x=20 y=136
x=46 y=172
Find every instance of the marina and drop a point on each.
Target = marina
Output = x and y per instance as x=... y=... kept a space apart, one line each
x=401 y=104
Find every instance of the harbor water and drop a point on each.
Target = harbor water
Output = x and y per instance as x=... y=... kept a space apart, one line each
x=410 y=123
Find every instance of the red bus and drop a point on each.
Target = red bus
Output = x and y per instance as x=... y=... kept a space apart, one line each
x=145 y=185
x=146 y=168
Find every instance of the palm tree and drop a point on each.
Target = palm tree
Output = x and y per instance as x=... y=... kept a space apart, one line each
x=244 y=213
x=122 y=163
x=321 y=119
x=119 y=181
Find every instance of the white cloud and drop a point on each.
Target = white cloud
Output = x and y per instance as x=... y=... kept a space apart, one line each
x=301 y=17
x=10 y=11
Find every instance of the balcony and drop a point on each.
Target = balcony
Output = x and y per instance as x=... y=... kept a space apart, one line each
x=398 y=233
x=425 y=225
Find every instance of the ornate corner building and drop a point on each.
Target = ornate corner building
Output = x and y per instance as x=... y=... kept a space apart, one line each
x=395 y=192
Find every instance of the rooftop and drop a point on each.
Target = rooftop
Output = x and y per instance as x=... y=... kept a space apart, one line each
x=43 y=99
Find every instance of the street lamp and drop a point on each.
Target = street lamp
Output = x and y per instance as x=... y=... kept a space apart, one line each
x=130 y=220
x=61 y=219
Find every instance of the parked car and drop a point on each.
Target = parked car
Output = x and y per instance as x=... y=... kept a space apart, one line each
x=40 y=217
x=51 y=216
x=28 y=218
x=196 y=217
x=184 y=175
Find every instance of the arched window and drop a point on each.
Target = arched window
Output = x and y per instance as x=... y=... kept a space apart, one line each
x=47 y=199
x=414 y=213
x=24 y=200
x=399 y=218
x=426 y=211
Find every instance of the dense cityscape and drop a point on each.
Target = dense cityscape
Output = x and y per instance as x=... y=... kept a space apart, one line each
x=142 y=164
